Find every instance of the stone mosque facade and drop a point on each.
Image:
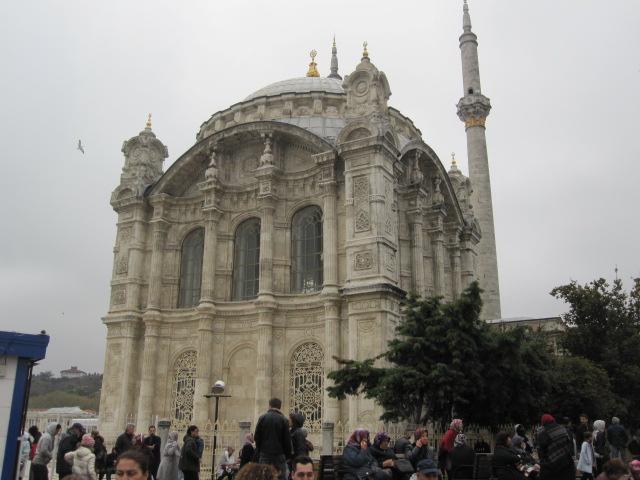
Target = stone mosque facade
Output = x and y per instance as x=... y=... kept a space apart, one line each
x=285 y=237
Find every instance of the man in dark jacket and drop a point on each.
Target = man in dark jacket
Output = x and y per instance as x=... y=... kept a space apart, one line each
x=272 y=437
x=403 y=441
x=618 y=438
x=581 y=429
x=555 y=449
x=153 y=443
x=189 y=459
x=68 y=444
x=124 y=440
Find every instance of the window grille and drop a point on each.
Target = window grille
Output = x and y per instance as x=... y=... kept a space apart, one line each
x=306 y=251
x=246 y=260
x=183 y=390
x=307 y=384
x=191 y=269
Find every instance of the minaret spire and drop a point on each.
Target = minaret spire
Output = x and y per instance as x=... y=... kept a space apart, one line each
x=473 y=109
x=334 y=61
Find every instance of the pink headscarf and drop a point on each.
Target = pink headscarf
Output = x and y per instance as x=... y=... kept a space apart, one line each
x=359 y=435
x=248 y=439
x=456 y=425
x=87 y=441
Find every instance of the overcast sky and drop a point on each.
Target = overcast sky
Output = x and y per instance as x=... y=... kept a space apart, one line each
x=563 y=78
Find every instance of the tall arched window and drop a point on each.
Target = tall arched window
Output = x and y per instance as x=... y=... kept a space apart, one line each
x=306 y=251
x=307 y=384
x=191 y=269
x=183 y=390
x=246 y=260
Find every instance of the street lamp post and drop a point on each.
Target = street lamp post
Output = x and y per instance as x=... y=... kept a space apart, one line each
x=217 y=391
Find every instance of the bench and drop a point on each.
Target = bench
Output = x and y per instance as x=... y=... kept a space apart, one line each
x=330 y=467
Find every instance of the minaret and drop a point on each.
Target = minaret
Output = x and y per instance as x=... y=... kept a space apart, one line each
x=473 y=109
x=334 y=61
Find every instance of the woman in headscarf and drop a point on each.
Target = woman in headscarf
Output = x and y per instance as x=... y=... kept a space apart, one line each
x=462 y=455
x=383 y=453
x=522 y=433
x=246 y=454
x=527 y=465
x=600 y=445
x=420 y=448
x=505 y=461
x=168 y=469
x=446 y=445
x=357 y=461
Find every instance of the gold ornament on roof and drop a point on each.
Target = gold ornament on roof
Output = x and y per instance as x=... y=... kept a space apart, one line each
x=365 y=53
x=149 y=121
x=453 y=158
x=313 y=71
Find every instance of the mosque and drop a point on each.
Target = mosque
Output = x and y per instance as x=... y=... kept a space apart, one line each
x=286 y=236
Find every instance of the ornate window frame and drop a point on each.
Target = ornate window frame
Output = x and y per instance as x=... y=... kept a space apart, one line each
x=246 y=261
x=306 y=250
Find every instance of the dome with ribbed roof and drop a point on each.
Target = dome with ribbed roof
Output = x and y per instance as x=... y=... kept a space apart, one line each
x=300 y=85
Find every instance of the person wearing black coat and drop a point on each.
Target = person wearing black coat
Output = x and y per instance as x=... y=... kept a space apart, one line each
x=504 y=460
x=384 y=454
x=153 y=443
x=189 y=458
x=462 y=455
x=123 y=442
x=298 y=445
x=273 y=439
x=481 y=446
x=420 y=449
x=66 y=445
x=248 y=450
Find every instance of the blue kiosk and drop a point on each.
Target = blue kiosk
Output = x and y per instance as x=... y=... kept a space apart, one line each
x=18 y=354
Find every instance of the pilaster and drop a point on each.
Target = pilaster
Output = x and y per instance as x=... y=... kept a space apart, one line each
x=146 y=398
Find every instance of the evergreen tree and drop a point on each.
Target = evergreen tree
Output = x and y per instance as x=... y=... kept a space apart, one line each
x=446 y=360
x=604 y=326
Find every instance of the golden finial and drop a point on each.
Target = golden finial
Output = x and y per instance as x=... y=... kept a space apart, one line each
x=334 y=39
x=365 y=53
x=453 y=159
x=313 y=71
x=465 y=2
x=149 y=121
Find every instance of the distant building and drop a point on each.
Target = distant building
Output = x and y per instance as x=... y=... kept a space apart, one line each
x=73 y=372
x=554 y=327
x=65 y=416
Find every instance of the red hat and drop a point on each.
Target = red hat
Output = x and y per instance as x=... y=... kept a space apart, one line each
x=546 y=418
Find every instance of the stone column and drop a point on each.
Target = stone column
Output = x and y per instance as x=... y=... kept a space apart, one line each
x=332 y=350
x=438 y=261
x=209 y=257
x=456 y=271
x=330 y=235
x=327 y=438
x=146 y=399
x=243 y=429
x=163 y=430
x=160 y=227
x=201 y=405
x=267 y=210
x=417 y=262
x=265 y=357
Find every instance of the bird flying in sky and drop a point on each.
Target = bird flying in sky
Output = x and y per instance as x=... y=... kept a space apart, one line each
x=80 y=147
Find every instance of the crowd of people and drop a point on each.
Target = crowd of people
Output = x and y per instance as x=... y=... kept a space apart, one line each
x=280 y=450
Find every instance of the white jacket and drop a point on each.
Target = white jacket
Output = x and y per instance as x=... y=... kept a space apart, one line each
x=84 y=463
x=587 y=458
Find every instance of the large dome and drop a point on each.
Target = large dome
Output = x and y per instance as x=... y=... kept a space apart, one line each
x=299 y=85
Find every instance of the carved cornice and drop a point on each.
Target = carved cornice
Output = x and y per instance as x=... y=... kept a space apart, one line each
x=474 y=109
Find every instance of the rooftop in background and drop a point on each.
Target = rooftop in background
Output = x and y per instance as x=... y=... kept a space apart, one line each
x=72 y=372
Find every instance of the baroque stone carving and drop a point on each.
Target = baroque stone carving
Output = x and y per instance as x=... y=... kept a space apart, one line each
x=361 y=189
x=123 y=264
x=119 y=297
x=362 y=221
x=364 y=260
